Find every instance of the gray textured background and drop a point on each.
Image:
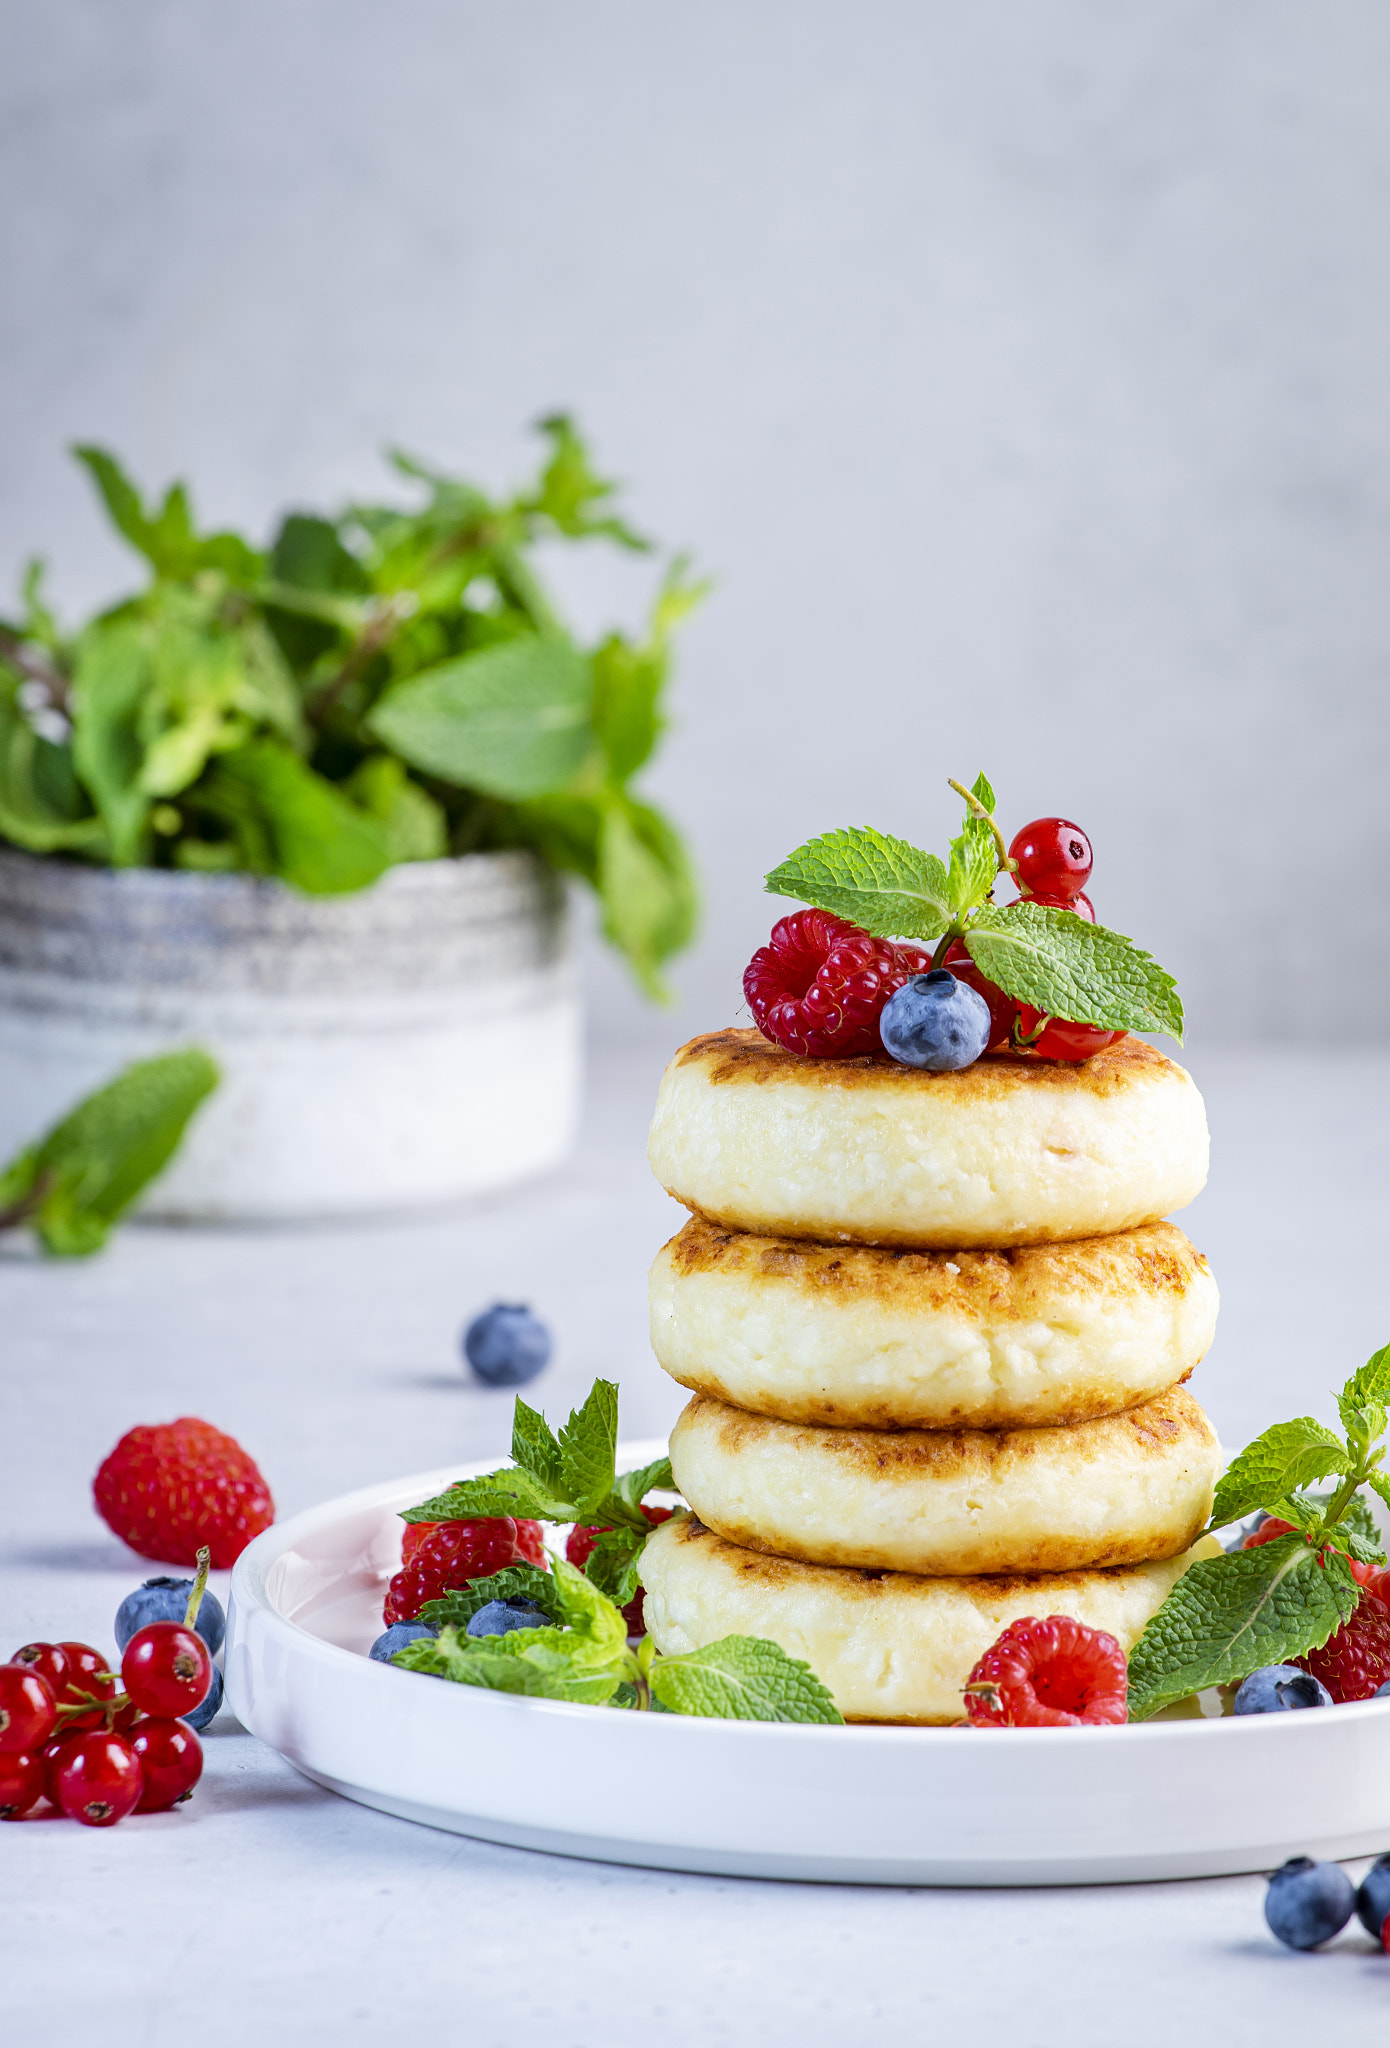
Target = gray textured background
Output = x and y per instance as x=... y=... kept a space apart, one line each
x=1020 y=371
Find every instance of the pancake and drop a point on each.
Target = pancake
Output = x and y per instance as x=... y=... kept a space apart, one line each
x=890 y=1646
x=873 y=1339
x=1007 y=1152
x=1123 y=1490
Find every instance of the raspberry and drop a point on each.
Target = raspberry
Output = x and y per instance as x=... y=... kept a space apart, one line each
x=169 y=1487
x=1355 y=1661
x=1372 y=1578
x=819 y=985
x=579 y=1547
x=453 y=1553
x=1049 y=1674
x=530 y=1540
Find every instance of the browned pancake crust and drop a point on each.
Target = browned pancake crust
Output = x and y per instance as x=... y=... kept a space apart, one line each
x=745 y=1057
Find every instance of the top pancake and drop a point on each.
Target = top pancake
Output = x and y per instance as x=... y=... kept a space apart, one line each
x=1009 y=1151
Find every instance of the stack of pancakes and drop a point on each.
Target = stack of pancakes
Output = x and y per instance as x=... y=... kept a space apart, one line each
x=936 y=1332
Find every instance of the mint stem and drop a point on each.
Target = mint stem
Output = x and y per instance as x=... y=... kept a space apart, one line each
x=1006 y=862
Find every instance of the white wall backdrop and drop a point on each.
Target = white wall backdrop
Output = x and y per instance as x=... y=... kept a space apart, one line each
x=1020 y=371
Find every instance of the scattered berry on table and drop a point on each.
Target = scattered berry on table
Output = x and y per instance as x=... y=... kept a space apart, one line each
x=166 y=1669
x=395 y=1638
x=28 y=1709
x=506 y=1345
x=1049 y=1674
x=579 y=1548
x=1057 y=1038
x=89 y=1678
x=170 y=1758
x=198 y=1718
x=819 y=985
x=1354 y=1662
x=935 y=1021
x=166 y=1599
x=451 y=1556
x=1054 y=858
x=1373 y=1899
x=21 y=1781
x=1307 y=1902
x=500 y=1617
x=1275 y=1688
x=97 y=1779
x=168 y=1488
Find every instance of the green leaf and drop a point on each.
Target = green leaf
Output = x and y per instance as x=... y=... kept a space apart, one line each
x=612 y=1563
x=42 y=806
x=627 y=688
x=634 y=1487
x=167 y=538
x=535 y=1448
x=109 y=688
x=516 y=1582
x=535 y=1662
x=509 y=1491
x=646 y=888
x=512 y=721
x=743 y=1678
x=1379 y=1483
x=595 y=1620
x=413 y=825
x=320 y=840
x=973 y=866
x=1226 y=1616
x=1060 y=964
x=587 y=1444
x=1363 y=1401
x=570 y=490
x=884 y=885
x=982 y=789
x=1288 y=1456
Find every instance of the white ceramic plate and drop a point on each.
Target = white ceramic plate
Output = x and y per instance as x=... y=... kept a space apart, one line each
x=751 y=1799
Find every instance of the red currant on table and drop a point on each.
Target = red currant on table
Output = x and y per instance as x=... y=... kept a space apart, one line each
x=171 y=1762
x=97 y=1779
x=21 y=1781
x=28 y=1710
x=1054 y=858
x=166 y=1668
x=819 y=985
x=1057 y=1038
x=48 y=1659
x=89 y=1678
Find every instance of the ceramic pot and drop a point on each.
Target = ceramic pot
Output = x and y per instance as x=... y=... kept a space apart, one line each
x=414 y=1043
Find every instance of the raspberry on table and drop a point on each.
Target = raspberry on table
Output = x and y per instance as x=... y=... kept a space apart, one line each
x=1049 y=1674
x=169 y=1488
x=1354 y=1662
x=819 y=985
x=453 y=1554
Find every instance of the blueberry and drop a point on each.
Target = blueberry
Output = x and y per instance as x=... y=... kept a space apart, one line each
x=1382 y=1692
x=500 y=1617
x=167 y=1600
x=200 y=1716
x=1274 y=1688
x=396 y=1637
x=1307 y=1903
x=935 y=1021
x=1373 y=1897
x=506 y=1345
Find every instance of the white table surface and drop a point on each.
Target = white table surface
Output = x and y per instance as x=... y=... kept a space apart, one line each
x=270 y=1910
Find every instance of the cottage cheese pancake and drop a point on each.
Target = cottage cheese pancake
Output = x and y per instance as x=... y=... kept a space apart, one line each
x=1005 y=1152
x=891 y=1647
x=1122 y=1490
x=874 y=1339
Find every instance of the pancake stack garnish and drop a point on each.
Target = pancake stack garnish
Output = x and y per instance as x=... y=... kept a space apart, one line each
x=934 y=1323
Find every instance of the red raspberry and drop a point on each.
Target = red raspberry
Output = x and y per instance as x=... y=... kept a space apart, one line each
x=450 y=1556
x=530 y=1540
x=579 y=1548
x=819 y=985
x=1049 y=1674
x=171 y=1486
x=1355 y=1661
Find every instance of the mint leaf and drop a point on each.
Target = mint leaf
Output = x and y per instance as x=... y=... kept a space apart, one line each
x=982 y=789
x=1363 y=1401
x=1060 y=964
x=973 y=866
x=587 y=1444
x=646 y=888
x=319 y=840
x=633 y=1488
x=612 y=1563
x=535 y=1662
x=110 y=683
x=571 y=490
x=881 y=884
x=413 y=825
x=1379 y=1482
x=512 y=1490
x=511 y=721
x=534 y=1447
x=516 y=1582
x=1288 y=1456
x=1226 y=1616
x=167 y=538
x=42 y=806
x=742 y=1678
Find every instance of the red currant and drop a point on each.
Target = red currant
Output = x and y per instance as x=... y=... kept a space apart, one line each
x=89 y=1678
x=98 y=1780
x=1054 y=858
x=48 y=1659
x=1001 y=1007
x=28 y=1710
x=21 y=1781
x=1057 y=1038
x=166 y=1668
x=53 y=1757
x=1082 y=905
x=171 y=1762
x=819 y=985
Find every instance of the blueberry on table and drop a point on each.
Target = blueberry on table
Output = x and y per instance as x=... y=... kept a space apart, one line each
x=201 y=1715
x=936 y=1022
x=1307 y=1902
x=166 y=1599
x=396 y=1637
x=506 y=1345
x=500 y=1617
x=1373 y=1898
x=1275 y=1688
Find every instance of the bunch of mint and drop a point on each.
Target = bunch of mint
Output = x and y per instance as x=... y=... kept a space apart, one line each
x=79 y=1180
x=1052 y=959
x=579 y=1650
x=1229 y=1615
x=389 y=684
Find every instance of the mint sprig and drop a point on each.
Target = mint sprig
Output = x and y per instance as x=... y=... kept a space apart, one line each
x=1228 y=1615
x=1051 y=959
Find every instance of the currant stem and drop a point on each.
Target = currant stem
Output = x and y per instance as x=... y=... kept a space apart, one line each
x=1006 y=861
x=200 y=1586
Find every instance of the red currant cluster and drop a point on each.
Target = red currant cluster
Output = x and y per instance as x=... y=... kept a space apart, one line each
x=96 y=1752
x=443 y=1557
